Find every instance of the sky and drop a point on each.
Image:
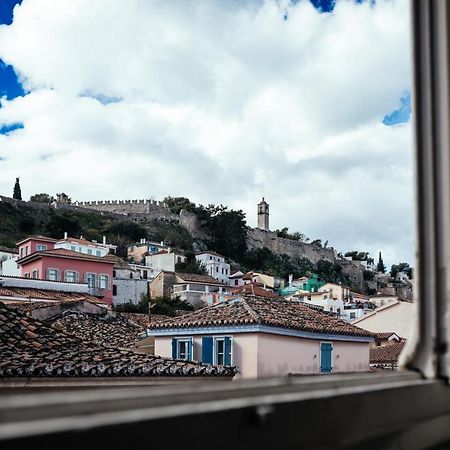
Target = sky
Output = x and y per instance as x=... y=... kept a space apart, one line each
x=305 y=103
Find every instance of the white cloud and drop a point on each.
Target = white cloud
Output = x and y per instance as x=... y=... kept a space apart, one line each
x=222 y=102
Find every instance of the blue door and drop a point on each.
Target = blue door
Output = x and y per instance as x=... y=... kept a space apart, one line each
x=325 y=357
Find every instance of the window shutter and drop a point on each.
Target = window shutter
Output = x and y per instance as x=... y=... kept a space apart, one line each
x=191 y=349
x=207 y=349
x=227 y=351
x=174 y=348
x=325 y=357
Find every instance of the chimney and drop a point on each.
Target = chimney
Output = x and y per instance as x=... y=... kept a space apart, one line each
x=104 y=240
x=162 y=243
x=290 y=279
x=65 y=234
x=81 y=236
x=142 y=240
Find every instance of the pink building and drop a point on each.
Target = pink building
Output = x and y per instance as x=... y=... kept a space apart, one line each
x=39 y=259
x=264 y=337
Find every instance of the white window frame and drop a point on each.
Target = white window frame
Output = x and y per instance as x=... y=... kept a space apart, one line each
x=41 y=247
x=187 y=342
x=222 y=338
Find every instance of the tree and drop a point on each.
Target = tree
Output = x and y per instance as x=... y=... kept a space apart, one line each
x=191 y=265
x=42 y=198
x=380 y=266
x=17 y=191
x=176 y=204
x=401 y=267
x=317 y=242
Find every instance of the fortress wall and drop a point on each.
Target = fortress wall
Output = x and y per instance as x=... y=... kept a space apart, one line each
x=257 y=238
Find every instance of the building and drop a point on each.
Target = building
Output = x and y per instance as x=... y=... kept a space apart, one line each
x=399 y=317
x=128 y=285
x=308 y=284
x=263 y=215
x=336 y=291
x=236 y=279
x=84 y=246
x=35 y=354
x=215 y=265
x=386 y=355
x=194 y=288
x=42 y=261
x=8 y=264
x=136 y=253
x=381 y=300
x=146 y=273
x=164 y=260
x=263 y=280
x=321 y=300
x=265 y=337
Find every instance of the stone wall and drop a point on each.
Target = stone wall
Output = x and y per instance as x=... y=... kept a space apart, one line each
x=125 y=207
x=257 y=239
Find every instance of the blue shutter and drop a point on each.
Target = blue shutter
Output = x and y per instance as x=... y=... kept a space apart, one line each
x=325 y=357
x=174 y=348
x=191 y=349
x=227 y=350
x=207 y=349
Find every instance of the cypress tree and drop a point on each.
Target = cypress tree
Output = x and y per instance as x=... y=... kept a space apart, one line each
x=380 y=266
x=17 y=191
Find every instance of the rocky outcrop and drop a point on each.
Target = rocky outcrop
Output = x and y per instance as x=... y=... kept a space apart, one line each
x=257 y=238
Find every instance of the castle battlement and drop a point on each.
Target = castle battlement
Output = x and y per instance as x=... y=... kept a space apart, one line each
x=132 y=207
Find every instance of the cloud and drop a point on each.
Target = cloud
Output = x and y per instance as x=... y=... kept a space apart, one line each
x=222 y=102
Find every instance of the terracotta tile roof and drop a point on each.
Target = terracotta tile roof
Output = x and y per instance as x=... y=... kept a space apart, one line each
x=386 y=335
x=30 y=348
x=388 y=354
x=282 y=313
x=104 y=330
x=37 y=237
x=63 y=252
x=141 y=320
x=119 y=263
x=195 y=278
x=9 y=250
x=45 y=294
x=253 y=289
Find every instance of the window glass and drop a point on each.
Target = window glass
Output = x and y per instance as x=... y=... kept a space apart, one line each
x=71 y=276
x=104 y=281
x=52 y=274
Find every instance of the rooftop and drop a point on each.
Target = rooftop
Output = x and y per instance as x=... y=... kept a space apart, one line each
x=45 y=294
x=253 y=289
x=210 y=252
x=8 y=250
x=64 y=253
x=388 y=354
x=195 y=278
x=281 y=313
x=30 y=348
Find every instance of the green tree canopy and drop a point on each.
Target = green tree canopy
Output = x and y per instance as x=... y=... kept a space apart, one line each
x=17 y=194
x=42 y=198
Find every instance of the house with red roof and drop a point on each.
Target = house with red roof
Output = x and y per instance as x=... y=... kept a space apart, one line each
x=264 y=337
x=40 y=258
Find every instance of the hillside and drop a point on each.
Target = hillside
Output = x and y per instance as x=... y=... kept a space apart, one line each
x=194 y=228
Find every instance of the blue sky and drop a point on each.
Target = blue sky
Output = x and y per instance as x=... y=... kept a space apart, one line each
x=222 y=102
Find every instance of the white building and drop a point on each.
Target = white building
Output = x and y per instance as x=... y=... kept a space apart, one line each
x=128 y=286
x=215 y=265
x=236 y=279
x=84 y=246
x=194 y=288
x=322 y=300
x=146 y=273
x=336 y=291
x=164 y=260
x=398 y=317
x=8 y=258
x=137 y=252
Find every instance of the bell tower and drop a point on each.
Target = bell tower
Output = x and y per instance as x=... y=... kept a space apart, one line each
x=263 y=215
